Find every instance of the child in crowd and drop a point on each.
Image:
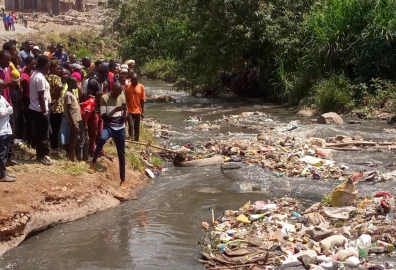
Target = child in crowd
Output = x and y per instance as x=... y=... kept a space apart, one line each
x=5 y=134
x=87 y=108
x=73 y=115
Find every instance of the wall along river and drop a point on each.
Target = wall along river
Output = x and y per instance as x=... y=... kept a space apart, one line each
x=162 y=228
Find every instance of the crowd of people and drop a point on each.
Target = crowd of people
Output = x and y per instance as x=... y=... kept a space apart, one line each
x=54 y=103
x=10 y=18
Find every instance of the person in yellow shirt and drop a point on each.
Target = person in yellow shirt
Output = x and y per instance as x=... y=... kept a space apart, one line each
x=135 y=96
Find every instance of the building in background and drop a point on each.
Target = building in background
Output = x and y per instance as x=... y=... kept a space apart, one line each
x=57 y=6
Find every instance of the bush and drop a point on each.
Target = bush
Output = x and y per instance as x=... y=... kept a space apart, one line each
x=334 y=94
x=159 y=68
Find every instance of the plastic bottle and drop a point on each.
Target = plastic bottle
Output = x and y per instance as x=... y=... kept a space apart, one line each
x=297 y=215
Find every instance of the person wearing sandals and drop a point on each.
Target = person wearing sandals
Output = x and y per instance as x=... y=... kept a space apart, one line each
x=5 y=132
x=40 y=97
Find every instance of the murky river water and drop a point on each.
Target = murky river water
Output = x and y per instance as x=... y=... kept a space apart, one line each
x=161 y=229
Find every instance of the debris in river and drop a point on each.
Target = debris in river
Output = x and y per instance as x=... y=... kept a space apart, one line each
x=193 y=119
x=160 y=99
x=264 y=235
x=161 y=131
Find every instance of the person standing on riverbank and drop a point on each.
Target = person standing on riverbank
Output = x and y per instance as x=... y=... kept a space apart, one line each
x=5 y=134
x=95 y=122
x=40 y=98
x=73 y=114
x=113 y=111
x=25 y=86
x=27 y=51
x=135 y=96
x=57 y=111
x=62 y=56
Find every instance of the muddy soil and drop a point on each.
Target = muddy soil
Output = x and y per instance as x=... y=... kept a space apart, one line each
x=39 y=199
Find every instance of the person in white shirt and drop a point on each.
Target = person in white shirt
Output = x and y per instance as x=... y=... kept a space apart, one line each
x=40 y=97
x=5 y=132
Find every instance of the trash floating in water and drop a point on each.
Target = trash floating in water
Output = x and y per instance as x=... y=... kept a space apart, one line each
x=193 y=119
x=278 y=235
x=160 y=99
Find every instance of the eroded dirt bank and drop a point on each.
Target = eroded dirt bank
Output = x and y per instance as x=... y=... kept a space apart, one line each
x=40 y=199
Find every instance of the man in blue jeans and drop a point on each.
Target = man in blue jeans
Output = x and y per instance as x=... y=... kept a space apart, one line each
x=113 y=113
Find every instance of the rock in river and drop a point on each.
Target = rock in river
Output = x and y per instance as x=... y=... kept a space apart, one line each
x=330 y=118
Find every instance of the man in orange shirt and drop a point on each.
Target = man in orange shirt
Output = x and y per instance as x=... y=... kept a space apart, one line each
x=135 y=96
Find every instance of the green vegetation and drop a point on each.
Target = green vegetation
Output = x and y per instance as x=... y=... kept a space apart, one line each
x=135 y=161
x=289 y=51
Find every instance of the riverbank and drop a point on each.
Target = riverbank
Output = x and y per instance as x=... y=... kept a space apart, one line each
x=43 y=197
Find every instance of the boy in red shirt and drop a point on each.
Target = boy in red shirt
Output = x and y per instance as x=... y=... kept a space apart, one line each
x=87 y=108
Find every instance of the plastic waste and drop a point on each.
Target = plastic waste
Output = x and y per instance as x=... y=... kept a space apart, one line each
x=383 y=194
x=364 y=241
x=259 y=205
x=339 y=212
x=150 y=173
x=295 y=214
x=353 y=261
x=224 y=237
x=387 y=247
x=324 y=153
x=269 y=207
x=313 y=160
x=205 y=226
x=243 y=219
x=256 y=216
x=363 y=252
x=346 y=253
x=344 y=194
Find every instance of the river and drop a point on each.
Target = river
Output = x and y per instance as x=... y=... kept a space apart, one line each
x=161 y=230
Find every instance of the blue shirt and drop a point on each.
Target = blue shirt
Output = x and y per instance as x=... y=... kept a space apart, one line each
x=23 y=55
x=61 y=56
x=5 y=19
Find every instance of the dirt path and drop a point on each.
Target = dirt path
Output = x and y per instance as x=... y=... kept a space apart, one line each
x=40 y=199
x=19 y=30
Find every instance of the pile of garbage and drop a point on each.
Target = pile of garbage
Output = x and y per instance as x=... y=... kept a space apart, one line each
x=277 y=235
x=250 y=120
x=160 y=130
x=203 y=127
x=160 y=99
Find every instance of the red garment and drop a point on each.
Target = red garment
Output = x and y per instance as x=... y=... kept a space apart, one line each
x=6 y=78
x=111 y=80
x=95 y=127
x=25 y=77
x=88 y=107
x=383 y=194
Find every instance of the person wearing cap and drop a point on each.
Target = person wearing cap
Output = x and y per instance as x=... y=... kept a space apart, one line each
x=36 y=52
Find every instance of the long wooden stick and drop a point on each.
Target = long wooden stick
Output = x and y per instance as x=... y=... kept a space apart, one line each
x=359 y=143
x=150 y=145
